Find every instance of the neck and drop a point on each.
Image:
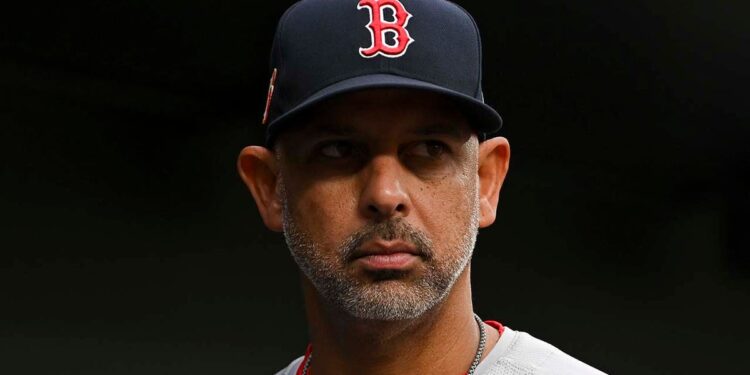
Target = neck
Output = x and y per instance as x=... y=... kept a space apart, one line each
x=443 y=340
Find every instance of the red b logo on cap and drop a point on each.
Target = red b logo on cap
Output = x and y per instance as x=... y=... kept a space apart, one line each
x=379 y=28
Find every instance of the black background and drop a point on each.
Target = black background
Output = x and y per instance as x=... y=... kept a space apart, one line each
x=129 y=245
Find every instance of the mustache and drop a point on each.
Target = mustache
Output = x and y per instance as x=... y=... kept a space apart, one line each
x=390 y=230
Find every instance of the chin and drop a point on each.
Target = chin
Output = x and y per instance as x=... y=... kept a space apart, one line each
x=389 y=300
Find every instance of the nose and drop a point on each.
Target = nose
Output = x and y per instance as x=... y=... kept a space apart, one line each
x=384 y=195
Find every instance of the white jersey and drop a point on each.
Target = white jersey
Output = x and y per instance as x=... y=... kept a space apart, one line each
x=519 y=353
x=516 y=353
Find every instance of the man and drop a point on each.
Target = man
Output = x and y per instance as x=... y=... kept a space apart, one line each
x=379 y=171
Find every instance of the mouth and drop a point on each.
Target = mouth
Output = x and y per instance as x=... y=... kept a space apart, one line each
x=382 y=255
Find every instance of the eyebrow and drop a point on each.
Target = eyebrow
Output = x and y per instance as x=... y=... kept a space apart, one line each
x=330 y=128
x=432 y=129
x=451 y=130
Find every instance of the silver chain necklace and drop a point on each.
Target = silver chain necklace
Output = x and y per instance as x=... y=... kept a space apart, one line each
x=474 y=363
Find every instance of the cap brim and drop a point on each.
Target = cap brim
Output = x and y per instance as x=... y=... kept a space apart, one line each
x=483 y=118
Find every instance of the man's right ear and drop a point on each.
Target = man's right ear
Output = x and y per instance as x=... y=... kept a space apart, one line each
x=258 y=169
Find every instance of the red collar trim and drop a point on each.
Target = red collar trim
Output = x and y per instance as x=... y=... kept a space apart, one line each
x=308 y=351
x=496 y=325
x=492 y=323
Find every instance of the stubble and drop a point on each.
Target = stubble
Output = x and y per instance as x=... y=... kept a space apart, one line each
x=388 y=295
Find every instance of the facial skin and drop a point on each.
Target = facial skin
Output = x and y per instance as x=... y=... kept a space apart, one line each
x=419 y=163
x=380 y=194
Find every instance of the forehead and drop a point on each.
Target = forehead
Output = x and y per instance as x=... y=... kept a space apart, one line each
x=383 y=113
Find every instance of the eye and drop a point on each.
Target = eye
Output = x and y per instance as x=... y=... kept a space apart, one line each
x=429 y=149
x=336 y=149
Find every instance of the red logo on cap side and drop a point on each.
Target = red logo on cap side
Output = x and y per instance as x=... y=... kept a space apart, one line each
x=379 y=28
x=271 y=86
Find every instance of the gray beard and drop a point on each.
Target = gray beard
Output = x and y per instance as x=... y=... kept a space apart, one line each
x=388 y=298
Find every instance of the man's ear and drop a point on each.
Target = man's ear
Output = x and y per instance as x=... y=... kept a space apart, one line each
x=494 y=155
x=258 y=169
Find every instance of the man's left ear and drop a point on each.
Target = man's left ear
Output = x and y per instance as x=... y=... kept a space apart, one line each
x=494 y=155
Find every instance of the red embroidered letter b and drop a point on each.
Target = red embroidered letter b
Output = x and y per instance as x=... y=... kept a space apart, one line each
x=380 y=28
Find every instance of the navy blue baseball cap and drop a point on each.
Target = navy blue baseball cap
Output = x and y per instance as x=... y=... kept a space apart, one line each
x=325 y=48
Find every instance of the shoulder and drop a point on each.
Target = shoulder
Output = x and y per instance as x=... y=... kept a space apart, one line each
x=521 y=353
x=292 y=368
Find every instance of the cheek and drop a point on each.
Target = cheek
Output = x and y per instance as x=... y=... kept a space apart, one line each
x=323 y=210
x=446 y=209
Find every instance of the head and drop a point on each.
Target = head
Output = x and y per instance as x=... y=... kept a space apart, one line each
x=374 y=169
x=379 y=194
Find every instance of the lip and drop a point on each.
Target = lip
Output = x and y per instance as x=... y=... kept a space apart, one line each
x=386 y=255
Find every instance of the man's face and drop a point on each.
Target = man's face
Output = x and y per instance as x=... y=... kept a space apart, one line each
x=380 y=200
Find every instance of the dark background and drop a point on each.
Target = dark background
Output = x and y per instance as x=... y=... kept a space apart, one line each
x=130 y=246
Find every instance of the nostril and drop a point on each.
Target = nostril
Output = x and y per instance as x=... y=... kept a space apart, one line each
x=373 y=209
